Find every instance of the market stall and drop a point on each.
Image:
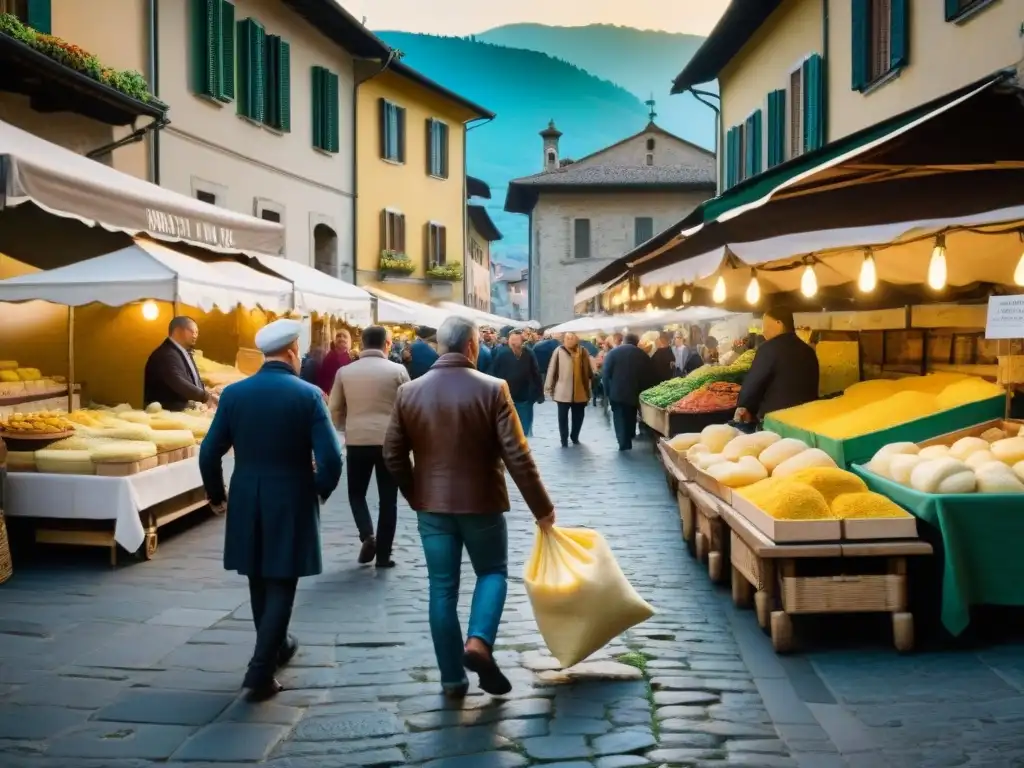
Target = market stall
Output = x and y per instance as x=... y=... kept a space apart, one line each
x=399 y=311
x=485 y=318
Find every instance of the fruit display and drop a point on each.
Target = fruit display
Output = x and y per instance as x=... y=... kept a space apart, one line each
x=838 y=365
x=216 y=374
x=672 y=391
x=990 y=463
x=716 y=396
x=820 y=493
x=871 y=406
x=32 y=424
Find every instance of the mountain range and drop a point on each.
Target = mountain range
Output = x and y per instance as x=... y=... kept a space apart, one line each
x=592 y=81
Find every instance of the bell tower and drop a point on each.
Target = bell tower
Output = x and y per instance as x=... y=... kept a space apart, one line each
x=551 y=135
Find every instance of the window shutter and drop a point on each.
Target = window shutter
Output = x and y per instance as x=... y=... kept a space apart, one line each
x=271 y=61
x=400 y=233
x=899 y=33
x=753 y=138
x=445 y=138
x=38 y=15
x=333 y=110
x=952 y=9
x=814 y=104
x=317 y=87
x=227 y=51
x=384 y=230
x=581 y=241
x=776 y=127
x=382 y=116
x=284 y=86
x=400 y=135
x=252 y=70
x=442 y=255
x=430 y=147
x=861 y=44
x=207 y=29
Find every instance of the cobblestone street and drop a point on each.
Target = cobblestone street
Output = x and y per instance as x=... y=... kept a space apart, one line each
x=141 y=665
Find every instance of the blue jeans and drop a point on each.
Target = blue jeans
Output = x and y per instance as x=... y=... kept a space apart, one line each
x=486 y=539
x=525 y=411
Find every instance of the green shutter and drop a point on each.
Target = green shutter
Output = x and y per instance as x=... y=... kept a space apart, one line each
x=752 y=137
x=430 y=147
x=226 y=45
x=732 y=157
x=251 y=69
x=284 y=86
x=899 y=33
x=38 y=15
x=445 y=139
x=776 y=127
x=271 y=61
x=400 y=137
x=207 y=54
x=814 y=103
x=333 y=123
x=861 y=44
x=382 y=119
x=952 y=9
x=317 y=89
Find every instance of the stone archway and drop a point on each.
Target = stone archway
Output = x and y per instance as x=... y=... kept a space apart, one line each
x=325 y=250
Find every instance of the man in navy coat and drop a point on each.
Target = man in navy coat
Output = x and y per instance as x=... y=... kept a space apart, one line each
x=287 y=463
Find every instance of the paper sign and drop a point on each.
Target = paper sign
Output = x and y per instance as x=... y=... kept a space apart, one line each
x=1005 y=318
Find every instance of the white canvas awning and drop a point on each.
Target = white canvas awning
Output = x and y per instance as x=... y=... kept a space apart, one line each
x=485 y=318
x=321 y=293
x=634 y=320
x=396 y=310
x=67 y=184
x=148 y=270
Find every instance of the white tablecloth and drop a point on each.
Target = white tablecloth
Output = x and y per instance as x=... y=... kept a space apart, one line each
x=89 y=497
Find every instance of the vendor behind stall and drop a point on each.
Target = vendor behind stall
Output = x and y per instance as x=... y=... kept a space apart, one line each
x=171 y=377
x=784 y=373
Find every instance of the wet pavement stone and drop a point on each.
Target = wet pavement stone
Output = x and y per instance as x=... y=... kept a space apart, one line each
x=140 y=666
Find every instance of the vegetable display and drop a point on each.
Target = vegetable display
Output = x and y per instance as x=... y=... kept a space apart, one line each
x=672 y=391
x=820 y=493
x=717 y=396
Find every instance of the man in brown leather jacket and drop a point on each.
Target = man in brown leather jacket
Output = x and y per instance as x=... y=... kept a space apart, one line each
x=463 y=433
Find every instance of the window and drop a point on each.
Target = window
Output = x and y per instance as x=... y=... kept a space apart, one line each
x=392 y=231
x=650 y=145
x=958 y=9
x=213 y=47
x=881 y=40
x=392 y=131
x=643 y=229
x=326 y=109
x=581 y=238
x=277 y=112
x=32 y=13
x=437 y=149
x=269 y=215
x=650 y=158
x=206 y=197
x=437 y=245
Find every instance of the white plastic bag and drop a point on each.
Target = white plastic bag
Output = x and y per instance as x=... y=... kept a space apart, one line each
x=580 y=597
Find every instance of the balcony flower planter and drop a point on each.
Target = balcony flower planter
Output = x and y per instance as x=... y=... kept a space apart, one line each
x=395 y=264
x=451 y=273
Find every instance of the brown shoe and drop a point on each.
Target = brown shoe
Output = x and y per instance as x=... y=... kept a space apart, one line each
x=368 y=551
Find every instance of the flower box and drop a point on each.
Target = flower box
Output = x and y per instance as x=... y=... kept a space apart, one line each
x=392 y=263
x=449 y=272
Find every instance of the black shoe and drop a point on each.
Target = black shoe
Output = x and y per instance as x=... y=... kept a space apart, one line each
x=492 y=681
x=575 y=441
x=264 y=691
x=287 y=652
x=368 y=551
x=456 y=692
x=385 y=563
x=565 y=443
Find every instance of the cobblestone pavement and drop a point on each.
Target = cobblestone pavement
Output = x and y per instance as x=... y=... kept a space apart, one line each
x=140 y=665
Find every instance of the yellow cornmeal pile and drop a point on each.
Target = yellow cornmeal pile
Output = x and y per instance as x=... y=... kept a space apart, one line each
x=871 y=406
x=819 y=494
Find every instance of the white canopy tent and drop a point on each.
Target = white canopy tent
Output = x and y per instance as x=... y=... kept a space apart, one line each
x=647 y=319
x=321 y=293
x=486 y=318
x=148 y=270
x=400 y=311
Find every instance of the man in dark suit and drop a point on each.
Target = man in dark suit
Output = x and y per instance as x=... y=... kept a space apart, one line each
x=287 y=463
x=627 y=371
x=419 y=356
x=171 y=377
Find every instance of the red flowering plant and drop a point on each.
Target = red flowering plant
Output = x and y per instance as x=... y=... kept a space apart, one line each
x=128 y=82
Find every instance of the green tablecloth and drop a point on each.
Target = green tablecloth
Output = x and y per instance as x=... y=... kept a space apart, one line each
x=982 y=535
x=860 y=450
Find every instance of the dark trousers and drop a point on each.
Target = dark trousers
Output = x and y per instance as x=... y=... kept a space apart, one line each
x=624 y=421
x=364 y=461
x=272 y=601
x=578 y=411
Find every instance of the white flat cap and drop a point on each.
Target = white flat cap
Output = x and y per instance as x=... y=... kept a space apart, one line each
x=275 y=336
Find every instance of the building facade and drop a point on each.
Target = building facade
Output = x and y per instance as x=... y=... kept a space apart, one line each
x=263 y=96
x=482 y=232
x=795 y=75
x=411 y=166
x=585 y=214
x=510 y=291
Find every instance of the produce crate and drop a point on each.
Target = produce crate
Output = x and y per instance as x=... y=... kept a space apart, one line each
x=859 y=450
x=669 y=424
x=786 y=531
x=126 y=468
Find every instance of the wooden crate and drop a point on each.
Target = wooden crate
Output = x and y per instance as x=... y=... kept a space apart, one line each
x=788 y=531
x=868 y=593
x=655 y=418
x=126 y=468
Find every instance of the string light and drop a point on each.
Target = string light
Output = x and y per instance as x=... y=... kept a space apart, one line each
x=868 y=278
x=809 y=282
x=753 y=290
x=718 y=295
x=937 y=273
x=150 y=311
x=1018 y=273
x=688 y=297
x=668 y=291
x=640 y=296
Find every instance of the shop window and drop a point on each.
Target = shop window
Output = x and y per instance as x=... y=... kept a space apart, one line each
x=392 y=131
x=325 y=250
x=581 y=239
x=326 y=109
x=437 y=149
x=881 y=40
x=392 y=231
x=643 y=230
x=212 y=26
x=437 y=245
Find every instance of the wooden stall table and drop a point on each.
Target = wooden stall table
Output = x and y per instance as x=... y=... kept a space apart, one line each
x=710 y=539
x=678 y=485
x=845 y=579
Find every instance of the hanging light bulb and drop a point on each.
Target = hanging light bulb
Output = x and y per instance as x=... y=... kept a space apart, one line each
x=1018 y=273
x=754 y=289
x=718 y=295
x=868 y=274
x=668 y=291
x=640 y=294
x=687 y=296
x=150 y=311
x=649 y=307
x=937 y=266
x=809 y=282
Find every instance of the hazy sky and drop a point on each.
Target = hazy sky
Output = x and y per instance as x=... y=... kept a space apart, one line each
x=463 y=17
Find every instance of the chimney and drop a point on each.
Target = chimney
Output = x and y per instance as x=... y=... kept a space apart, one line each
x=551 y=135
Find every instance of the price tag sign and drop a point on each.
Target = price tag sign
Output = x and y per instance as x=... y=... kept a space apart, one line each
x=1005 y=318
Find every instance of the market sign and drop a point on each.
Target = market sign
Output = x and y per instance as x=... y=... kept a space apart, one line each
x=1005 y=317
x=186 y=228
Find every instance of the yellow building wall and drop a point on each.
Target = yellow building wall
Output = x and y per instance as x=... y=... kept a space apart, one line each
x=791 y=34
x=407 y=187
x=944 y=56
